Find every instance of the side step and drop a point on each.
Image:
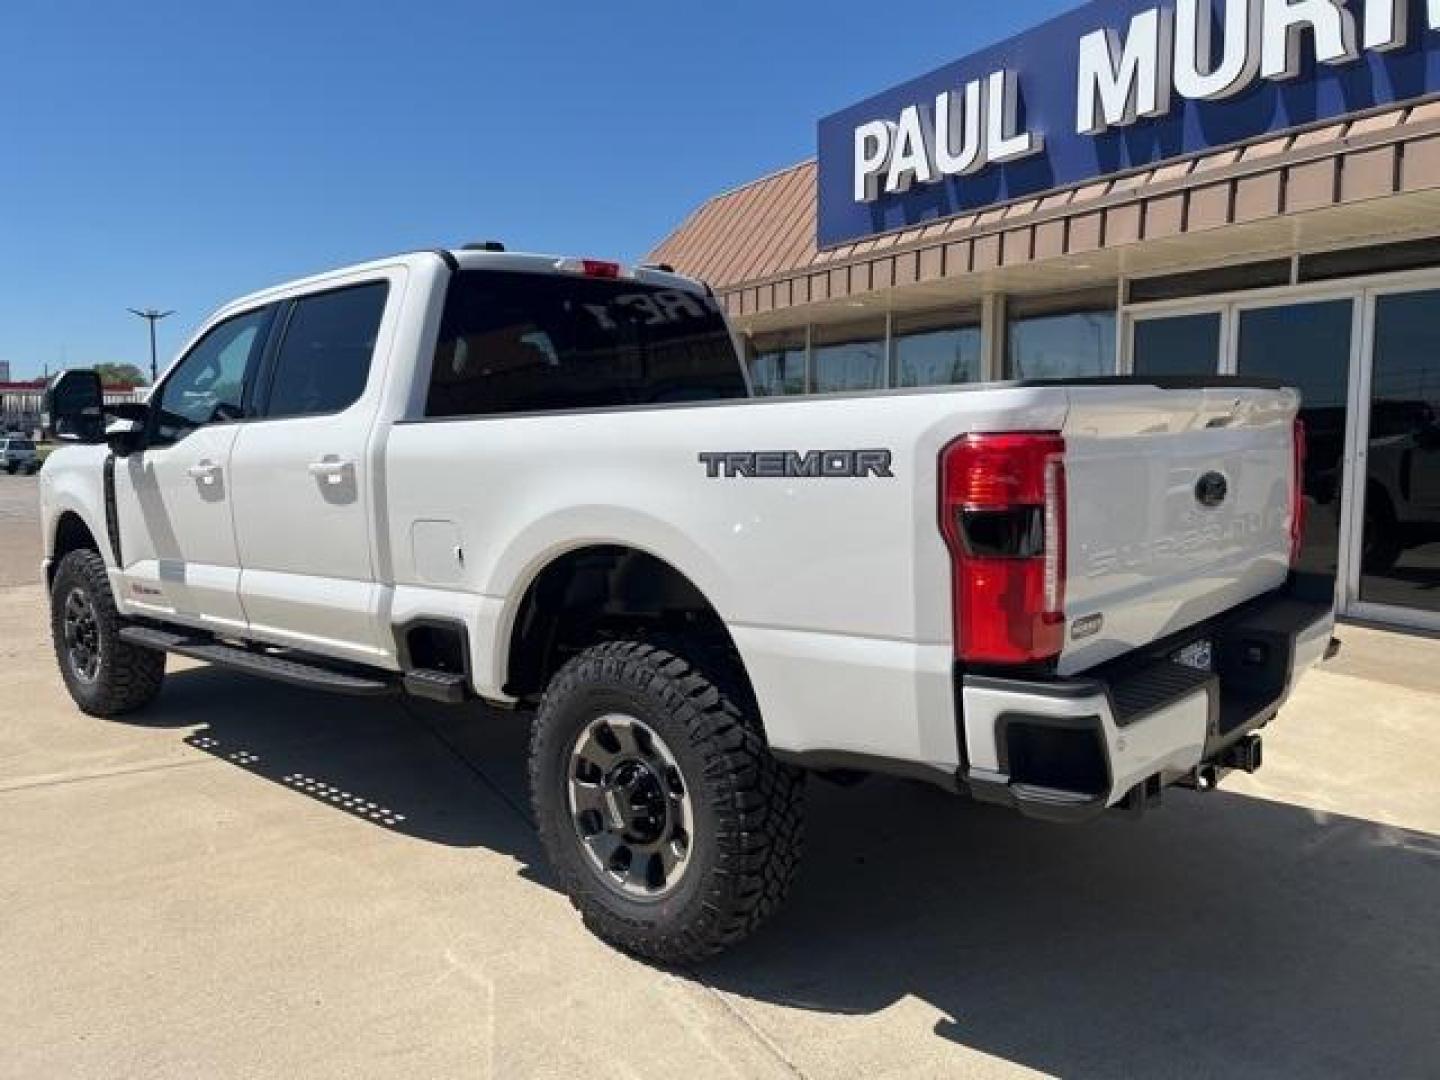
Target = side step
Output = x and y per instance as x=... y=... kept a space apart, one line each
x=446 y=687
x=311 y=674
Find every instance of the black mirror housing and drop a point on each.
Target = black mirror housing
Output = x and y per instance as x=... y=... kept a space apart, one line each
x=136 y=412
x=74 y=407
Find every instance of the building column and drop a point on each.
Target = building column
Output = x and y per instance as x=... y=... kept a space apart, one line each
x=992 y=337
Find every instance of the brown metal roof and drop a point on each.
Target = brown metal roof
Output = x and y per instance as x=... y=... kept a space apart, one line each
x=756 y=244
x=760 y=230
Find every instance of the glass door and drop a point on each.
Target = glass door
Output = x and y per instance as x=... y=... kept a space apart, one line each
x=1395 y=573
x=1309 y=344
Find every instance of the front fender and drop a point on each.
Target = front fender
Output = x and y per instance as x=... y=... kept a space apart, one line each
x=72 y=481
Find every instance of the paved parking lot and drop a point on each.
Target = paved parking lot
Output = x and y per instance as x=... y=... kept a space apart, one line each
x=250 y=880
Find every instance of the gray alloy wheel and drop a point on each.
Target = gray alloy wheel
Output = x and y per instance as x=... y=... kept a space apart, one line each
x=630 y=807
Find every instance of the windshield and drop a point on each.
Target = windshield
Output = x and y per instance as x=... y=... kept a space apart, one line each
x=21 y=444
x=526 y=342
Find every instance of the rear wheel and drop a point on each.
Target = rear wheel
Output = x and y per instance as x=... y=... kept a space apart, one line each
x=105 y=675
x=671 y=827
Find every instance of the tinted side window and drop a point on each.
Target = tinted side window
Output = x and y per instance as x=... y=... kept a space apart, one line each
x=208 y=385
x=526 y=342
x=324 y=359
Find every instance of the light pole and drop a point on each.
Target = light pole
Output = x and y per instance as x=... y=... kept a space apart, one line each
x=151 y=316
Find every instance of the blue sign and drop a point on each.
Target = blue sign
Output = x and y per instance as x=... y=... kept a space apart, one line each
x=1113 y=86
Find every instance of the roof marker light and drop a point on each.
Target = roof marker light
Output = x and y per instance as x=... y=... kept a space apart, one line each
x=595 y=268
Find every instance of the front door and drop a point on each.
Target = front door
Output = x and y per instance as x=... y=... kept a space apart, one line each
x=301 y=476
x=174 y=499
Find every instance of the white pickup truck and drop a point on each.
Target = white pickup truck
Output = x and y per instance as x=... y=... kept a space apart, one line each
x=543 y=483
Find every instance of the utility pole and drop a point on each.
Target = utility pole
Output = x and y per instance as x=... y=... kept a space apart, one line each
x=151 y=316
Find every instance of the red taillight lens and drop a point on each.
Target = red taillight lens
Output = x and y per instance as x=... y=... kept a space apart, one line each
x=599 y=268
x=1297 y=495
x=1002 y=512
x=595 y=268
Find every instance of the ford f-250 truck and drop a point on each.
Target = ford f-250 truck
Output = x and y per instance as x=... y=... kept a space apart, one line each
x=543 y=482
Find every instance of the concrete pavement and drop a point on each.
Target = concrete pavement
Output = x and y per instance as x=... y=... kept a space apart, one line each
x=251 y=880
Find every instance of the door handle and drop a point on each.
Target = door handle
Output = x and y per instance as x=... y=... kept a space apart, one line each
x=204 y=471
x=330 y=469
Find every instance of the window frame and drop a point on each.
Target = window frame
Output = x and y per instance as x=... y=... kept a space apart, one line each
x=249 y=382
x=280 y=329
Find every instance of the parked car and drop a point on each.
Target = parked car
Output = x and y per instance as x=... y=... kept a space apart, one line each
x=18 y=455
x=542 y=483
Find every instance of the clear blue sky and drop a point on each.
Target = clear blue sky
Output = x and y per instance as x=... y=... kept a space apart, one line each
x=177 y=153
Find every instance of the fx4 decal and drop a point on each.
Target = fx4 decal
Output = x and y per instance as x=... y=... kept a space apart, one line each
x=782 y=464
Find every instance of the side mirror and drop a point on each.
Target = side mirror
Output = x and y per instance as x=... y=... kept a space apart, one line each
x=73 y=407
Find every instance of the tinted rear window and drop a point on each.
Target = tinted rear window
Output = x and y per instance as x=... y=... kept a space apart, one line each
x=21 y=444
x=514 y=342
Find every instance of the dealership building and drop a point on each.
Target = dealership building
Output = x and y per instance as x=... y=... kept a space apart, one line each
x=1138 y=188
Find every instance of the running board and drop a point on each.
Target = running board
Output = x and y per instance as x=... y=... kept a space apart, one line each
x=307 y=673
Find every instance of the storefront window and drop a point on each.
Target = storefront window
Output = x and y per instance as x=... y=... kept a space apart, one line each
x=936 y=349
x=1061 y=344
x=849 y=357
x=777 y=363
x=1177 y=345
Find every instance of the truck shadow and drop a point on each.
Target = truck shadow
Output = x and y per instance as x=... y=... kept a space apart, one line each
x=1221 y=935
x=390 y=762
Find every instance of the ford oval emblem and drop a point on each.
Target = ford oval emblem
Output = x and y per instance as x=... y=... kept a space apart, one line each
x=1211 y=489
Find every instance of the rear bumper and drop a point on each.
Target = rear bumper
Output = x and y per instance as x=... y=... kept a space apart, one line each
x=1067 y=749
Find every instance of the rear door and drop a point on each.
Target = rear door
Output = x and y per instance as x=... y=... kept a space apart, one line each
x=1178 y=508
x=302 y=475
x=174 y=499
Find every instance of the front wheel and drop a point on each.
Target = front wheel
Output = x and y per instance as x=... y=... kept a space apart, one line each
x=672 y=828
x=105 y=675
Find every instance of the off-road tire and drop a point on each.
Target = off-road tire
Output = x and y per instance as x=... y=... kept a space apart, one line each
x=748 y=808
x=129 y=677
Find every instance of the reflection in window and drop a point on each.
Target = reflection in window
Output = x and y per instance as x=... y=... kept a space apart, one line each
x=936 y=349
x=1400 y=557
x=324 y=361
x=777 y=363
x=1307 y=345
x=1180 y=345
x=208 y=385
x=1062 y=346
x=849 y=357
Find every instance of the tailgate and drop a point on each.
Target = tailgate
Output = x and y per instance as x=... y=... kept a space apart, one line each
x=1178 y=509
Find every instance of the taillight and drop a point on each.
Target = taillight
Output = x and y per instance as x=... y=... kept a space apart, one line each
x=1002 y=512
x=1297 y=494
